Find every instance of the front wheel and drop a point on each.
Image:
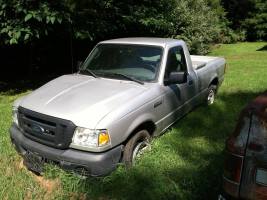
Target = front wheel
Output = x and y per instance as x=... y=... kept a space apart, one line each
x=135 y=147
x=211 y=95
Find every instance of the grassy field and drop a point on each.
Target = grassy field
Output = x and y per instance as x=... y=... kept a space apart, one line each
x=185 y=163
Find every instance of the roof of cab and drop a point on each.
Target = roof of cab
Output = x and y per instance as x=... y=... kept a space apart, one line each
x=144 y=41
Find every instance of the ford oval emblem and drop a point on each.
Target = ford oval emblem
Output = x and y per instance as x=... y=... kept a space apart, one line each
x=37 y=128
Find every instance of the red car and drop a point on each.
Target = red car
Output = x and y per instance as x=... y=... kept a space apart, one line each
x=245 y=166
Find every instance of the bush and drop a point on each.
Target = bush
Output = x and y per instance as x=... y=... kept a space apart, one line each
x=23 y=21
x=198 y=24
x=233 y=36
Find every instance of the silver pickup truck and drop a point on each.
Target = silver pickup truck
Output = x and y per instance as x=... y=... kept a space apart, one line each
x=127 y=91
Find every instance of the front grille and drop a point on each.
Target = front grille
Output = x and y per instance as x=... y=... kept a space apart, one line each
x=45 y=129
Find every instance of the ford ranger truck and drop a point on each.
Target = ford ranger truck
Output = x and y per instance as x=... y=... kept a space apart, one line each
x=127 y=91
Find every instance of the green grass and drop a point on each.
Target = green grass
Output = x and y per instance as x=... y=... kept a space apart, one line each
x=184 y=163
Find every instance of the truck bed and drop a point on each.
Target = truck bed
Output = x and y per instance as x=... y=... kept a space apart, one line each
x=199 y=62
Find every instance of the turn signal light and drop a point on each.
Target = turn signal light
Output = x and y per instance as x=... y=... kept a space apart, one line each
x=103 y=138
x=233 y=167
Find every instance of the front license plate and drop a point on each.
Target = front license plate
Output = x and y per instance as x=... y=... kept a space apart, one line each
x=34 y=161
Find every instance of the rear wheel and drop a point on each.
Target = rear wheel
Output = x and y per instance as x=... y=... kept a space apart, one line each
x=135 y=147
x=211 y=94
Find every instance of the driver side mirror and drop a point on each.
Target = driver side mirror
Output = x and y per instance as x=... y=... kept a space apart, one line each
x=176 y=78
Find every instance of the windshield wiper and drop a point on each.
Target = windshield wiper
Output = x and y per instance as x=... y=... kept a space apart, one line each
x=126 y=77
x=88 y=71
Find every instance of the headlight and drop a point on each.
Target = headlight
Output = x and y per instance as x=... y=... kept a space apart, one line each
x=90 y=138
x=15 y=115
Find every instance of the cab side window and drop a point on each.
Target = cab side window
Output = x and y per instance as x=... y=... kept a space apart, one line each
x=175 y=61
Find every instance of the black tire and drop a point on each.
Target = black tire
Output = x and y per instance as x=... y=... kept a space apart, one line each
x=211 y=94
x=141 y=137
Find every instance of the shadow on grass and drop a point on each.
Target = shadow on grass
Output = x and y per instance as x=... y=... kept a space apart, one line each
x=264 y=48
x=185 y=163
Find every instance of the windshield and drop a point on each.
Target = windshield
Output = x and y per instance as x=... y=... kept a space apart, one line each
x=138 y=62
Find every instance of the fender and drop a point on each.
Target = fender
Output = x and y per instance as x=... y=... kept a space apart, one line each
x=146 y=117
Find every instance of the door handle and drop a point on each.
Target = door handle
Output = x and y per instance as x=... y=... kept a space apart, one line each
x=158 y=103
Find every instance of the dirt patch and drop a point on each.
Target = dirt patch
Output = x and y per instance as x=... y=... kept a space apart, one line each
x=28 y=195
x=48 y=185
x=77 y=196
x=20 y=165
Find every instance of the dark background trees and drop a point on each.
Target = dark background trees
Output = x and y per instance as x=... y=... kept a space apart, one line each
x=46 y=38
x=249 y=16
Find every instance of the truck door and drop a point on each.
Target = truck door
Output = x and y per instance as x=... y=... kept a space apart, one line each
x=177 y=96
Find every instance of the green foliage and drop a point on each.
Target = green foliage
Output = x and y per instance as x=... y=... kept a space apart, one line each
x=98 y=20
x=197 y=24
x=200 y=22
x=236 y=11
x=22 y=21
x=233 y=36
x=193 y=21
x=249 y=16
x=256 y=23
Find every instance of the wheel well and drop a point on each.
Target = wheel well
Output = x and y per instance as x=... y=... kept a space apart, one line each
x=215 y=81
x=148 y=125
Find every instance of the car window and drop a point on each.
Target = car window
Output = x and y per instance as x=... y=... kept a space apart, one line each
x=175 y=61
x=141 y=62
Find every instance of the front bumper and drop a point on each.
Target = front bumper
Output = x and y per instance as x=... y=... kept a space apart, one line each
x=94 y=164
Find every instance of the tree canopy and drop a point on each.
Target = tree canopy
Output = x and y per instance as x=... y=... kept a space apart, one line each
x=22 y=21
x=198 y=22
x=249 y=16
x=45 y=33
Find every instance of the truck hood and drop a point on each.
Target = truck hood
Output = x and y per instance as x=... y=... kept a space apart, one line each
x=82 y=99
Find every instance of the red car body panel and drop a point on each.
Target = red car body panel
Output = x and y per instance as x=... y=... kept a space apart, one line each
x=245 y=170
